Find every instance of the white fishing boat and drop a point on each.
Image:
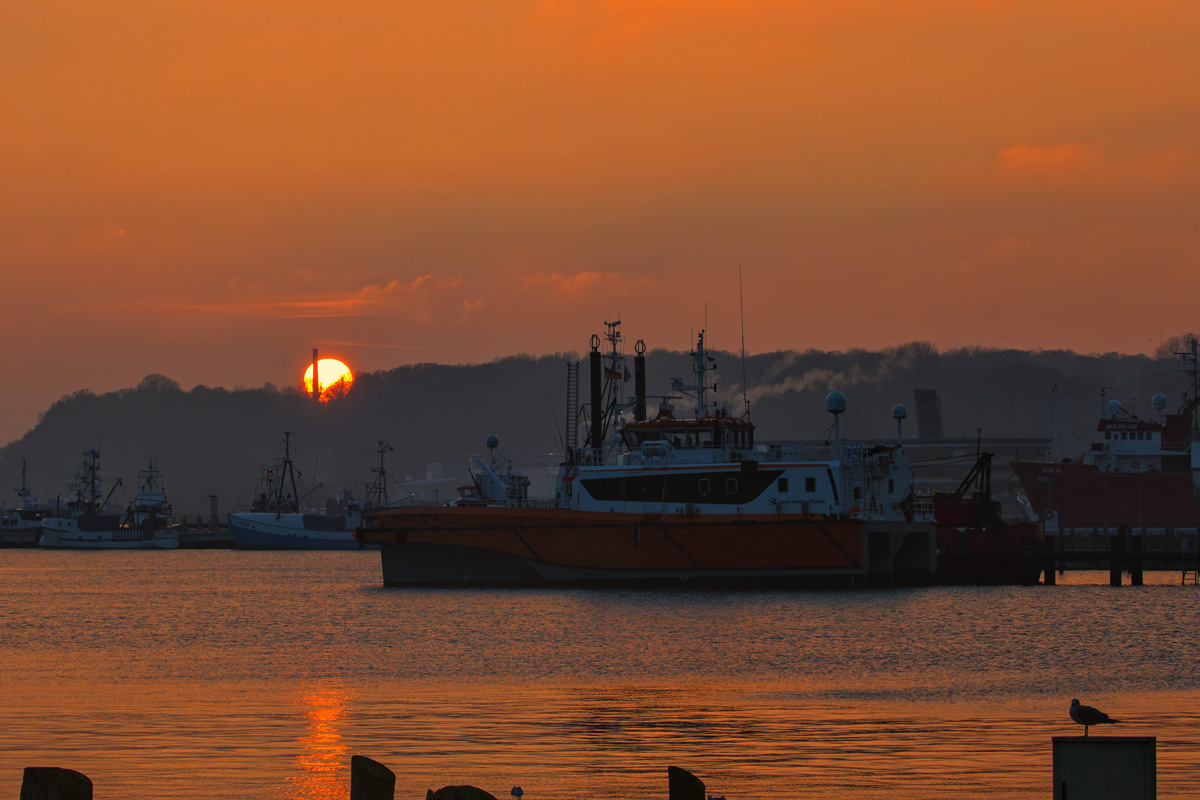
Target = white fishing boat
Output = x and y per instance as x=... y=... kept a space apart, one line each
x=21 y=525
x=87 y=523
x=276 y=520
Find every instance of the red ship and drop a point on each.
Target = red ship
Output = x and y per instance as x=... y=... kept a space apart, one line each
x=1138 y=473
x=670 y=501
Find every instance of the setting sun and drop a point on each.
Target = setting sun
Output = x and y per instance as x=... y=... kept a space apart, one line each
x=335 y=378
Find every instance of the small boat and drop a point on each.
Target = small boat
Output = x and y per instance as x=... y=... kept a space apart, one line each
x=85 y=523
x=21 y=525
x=275 y=521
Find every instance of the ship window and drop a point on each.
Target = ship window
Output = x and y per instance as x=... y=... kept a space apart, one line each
x=891 y=485
x=731 y=486
x=810 y=485
x=783 y=485
x=1107 y=435
x=704 y=489
x=858 y=493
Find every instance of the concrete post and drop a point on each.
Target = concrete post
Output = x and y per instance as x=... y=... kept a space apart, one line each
x=1105 y=768
x=55 y=783
x=370 y=780
x=683 y=785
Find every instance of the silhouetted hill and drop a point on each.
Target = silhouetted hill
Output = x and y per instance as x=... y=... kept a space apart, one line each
x=212 y=441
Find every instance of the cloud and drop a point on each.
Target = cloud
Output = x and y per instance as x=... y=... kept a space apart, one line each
x=1071 y=167
x=578 y=284
x=1068 y=159
x=421 y=299
x=998 y=250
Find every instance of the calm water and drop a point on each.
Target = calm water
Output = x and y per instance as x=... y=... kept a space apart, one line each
x=219 y=674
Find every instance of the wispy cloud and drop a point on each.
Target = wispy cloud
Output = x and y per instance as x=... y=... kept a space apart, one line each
x=418 y=299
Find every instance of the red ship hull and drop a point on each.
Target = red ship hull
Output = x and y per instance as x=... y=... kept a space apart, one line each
x=1081 y=496
x=544 y=546
x=996 y=554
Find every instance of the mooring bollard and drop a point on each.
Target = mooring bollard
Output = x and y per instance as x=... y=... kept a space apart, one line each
x=55 y=783
x=683 y=785
x=370 y=780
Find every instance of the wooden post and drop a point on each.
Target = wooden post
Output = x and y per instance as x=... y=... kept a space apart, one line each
x=683 y=785
x=55 y=783
x=370 y=780
x=1137 y=548
x=1049 y=576
x=1116 y=546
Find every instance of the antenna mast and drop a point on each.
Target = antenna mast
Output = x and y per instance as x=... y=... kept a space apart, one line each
x=742 y=314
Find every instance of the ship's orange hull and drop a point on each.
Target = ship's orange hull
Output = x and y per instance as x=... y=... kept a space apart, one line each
x=496 y=545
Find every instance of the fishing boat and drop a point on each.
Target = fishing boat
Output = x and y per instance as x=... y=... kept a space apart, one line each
x=21 y=525
x=670 y=501
x=87 y=524
x=276 y=521
x=1141 y=473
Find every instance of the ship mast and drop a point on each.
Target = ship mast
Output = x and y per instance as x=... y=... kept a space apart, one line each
x=701 y=366
x=1190 y=363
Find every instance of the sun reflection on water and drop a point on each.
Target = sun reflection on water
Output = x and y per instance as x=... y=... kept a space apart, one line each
x=323 y=763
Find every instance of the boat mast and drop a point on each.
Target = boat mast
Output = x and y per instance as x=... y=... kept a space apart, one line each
x=377 y=494
x=614 y=373
x=701 y=365
x=23 y=493
x=289 y=475
x=1055 y=451
x=93 y=467
x=1190 y=363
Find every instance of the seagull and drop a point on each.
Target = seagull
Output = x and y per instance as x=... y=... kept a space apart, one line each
x=1087 y=716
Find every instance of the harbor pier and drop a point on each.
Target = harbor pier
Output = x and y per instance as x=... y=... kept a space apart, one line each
x=1122 y=551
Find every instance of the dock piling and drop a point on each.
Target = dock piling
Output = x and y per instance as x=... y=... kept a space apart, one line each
x=1116 y=557
x=1136 y=548
x=1049 y=546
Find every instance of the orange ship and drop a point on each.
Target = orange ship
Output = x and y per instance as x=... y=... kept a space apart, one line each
x=671 y=501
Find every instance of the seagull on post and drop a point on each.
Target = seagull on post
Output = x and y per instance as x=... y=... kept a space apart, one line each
x=1088 y=716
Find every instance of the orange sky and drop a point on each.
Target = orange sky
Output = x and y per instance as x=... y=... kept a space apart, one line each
x=210 y=189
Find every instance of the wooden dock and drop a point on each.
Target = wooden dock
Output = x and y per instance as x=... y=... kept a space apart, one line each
x=1121 y=552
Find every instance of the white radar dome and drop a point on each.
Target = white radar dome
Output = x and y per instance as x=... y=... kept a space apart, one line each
x=1114 y=406
x=835 y=403
x=899 y=411
x=493 y=441
x=1160 y=401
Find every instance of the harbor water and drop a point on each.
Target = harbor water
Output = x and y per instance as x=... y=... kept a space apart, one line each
x=224 y=674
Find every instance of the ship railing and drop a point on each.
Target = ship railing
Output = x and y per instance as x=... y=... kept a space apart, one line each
x=923 y=509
